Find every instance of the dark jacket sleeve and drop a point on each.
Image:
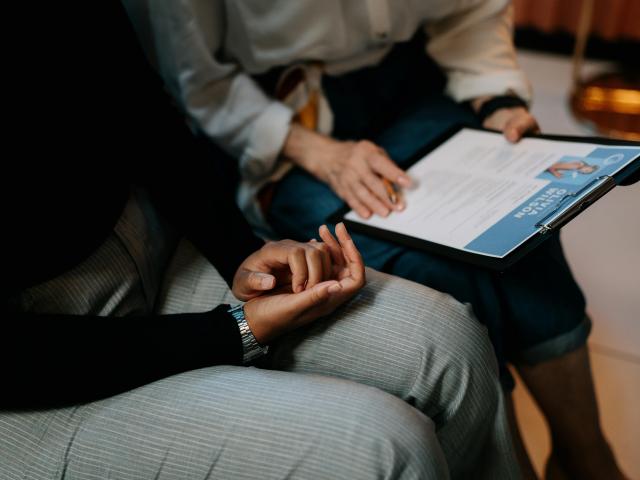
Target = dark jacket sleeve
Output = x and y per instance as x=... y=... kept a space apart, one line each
x=125 y=127
x=50 y=360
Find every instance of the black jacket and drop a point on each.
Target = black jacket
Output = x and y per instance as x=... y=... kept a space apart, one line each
x=89 y=118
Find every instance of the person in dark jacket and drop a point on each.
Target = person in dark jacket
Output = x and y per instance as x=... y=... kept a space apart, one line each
x=126 y=344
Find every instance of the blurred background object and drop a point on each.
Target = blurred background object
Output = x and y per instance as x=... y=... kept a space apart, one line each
x=613 y=20
x=602 y=245
x=608 y=102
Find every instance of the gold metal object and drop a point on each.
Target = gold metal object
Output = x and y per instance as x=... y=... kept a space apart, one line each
x=609 y=102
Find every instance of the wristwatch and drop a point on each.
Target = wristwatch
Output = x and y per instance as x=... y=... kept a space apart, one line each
x=250 y=347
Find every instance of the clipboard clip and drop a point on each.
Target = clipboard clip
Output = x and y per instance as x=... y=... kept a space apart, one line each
x=573 y=203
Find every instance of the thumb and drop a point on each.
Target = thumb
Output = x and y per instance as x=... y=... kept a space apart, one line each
x=269 y=316
x=302 y=301
x=518 y=125
x=251 y=284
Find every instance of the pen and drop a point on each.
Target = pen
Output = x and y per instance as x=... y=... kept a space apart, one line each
x=391 y=190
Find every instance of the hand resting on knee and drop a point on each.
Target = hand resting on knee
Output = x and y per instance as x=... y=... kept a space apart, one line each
x=290 y=284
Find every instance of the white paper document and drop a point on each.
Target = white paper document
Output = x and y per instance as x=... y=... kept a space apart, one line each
x=477 y=192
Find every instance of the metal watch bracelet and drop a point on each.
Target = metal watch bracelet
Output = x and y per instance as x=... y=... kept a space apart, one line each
x=250 y=347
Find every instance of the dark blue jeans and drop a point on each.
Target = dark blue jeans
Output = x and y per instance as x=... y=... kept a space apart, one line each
x=535 y=311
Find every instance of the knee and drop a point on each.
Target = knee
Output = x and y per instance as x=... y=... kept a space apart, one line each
x=457 y=356
x=475 y=358
x=393 y=440
x=470 y=371
x=470 y=338
x=435 y=329
x=456 y=333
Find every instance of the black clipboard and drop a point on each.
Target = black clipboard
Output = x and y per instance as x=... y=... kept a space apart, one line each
x=565 y=211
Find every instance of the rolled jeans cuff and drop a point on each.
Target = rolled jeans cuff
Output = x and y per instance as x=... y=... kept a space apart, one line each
x=557 y=346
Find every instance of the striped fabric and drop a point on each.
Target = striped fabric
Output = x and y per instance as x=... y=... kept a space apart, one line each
x=398 y=383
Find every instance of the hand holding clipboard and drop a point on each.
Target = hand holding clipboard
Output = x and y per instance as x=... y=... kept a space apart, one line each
x=483 y=200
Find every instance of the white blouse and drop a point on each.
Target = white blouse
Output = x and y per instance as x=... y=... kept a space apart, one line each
x=206 y=51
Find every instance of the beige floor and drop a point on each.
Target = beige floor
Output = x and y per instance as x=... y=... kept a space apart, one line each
x=603 y=247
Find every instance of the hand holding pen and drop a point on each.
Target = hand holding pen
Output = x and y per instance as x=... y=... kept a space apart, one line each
x=392 y=191
x=355 y=171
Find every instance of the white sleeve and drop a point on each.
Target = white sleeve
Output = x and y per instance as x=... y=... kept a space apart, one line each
x=475 y=48
x=223 y=101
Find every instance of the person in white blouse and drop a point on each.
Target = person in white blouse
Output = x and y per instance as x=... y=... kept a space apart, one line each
x=318 y=101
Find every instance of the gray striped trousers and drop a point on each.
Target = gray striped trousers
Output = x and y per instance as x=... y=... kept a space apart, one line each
x=399 y=383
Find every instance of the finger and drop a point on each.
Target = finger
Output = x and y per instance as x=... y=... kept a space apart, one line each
x=334 y=247
x=298 y=265
x=260 y=281
x=275 y=255
x=517 y=126
x=284 y=277
x=271 y=315
x=375 y=184
x=252 y=284
x=312 y=297
x=355 y=203
x=325 y=256
x=315 y=267
x=349 y=249
x=383 y=165
x=351 y=253
x=326 y=262
x=369 y=199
